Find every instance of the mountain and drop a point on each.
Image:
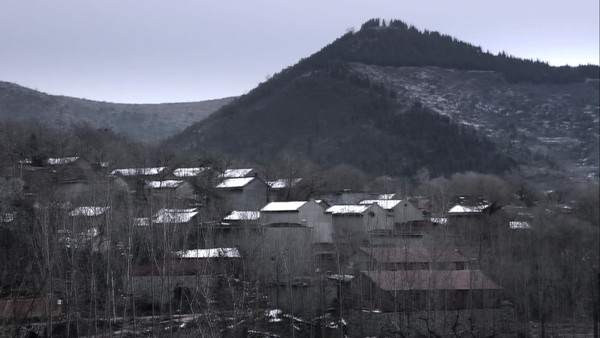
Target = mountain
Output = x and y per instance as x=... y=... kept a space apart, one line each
x=390 y=99
x=142 y=122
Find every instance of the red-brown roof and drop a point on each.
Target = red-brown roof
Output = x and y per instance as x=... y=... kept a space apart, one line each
x=29 y=308
x=412 y=255
x=430 y=280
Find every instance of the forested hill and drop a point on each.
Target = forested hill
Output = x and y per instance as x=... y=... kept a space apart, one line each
x=142 y=122
x=328 y=110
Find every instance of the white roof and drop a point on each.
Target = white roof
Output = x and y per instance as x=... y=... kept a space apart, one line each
x=283 y=206
x=138 y=171
x=242 y=216
x=164 y=184
x=470 y=209
x=519 y=225
x=235 y=182
x=283 y=183
x=189 y=172
x=235 y=173
x=384 y=204
x=62 y=160
x=348 y=209
x=141 y=221
x=209 y=253
x=88 y=211
x=175 y=215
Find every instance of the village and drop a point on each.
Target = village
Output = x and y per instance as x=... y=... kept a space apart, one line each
x=119 y=246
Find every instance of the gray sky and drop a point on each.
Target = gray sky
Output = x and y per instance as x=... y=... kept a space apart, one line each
x=183 y=50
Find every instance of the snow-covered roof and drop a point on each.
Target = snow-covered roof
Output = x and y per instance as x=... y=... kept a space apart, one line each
x=166 y=184
x=89 y=211
x=340 y=278
x=138 y=171
x=283 y=206
x=384 y=204
x=386 y=196
x=189 y=172
x=175 y=215
x=439 y=220
x=62 y=160
x=235 y=182
x=242 y=216
x=348 y=209
x=283 y=183
x=468 y=209
x=235 y=173
x=141 y=221
x=519 y=225
x=209 y=253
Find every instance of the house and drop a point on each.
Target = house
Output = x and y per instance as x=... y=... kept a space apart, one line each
x=239 y=173
x=175 y=216
x=400 y=213
x=136 y=177
x=413 y=258
x=305 y=213
x=519 y=225
x=247 y=193
x=234 y=229
x=22 y=309
x=282 y=189
x=183 y=173
x=169 y=191
x=86 y=228
x=70 y=177
x=188 y=277
x=353 y=223
x=290 y=230
x=430 y=290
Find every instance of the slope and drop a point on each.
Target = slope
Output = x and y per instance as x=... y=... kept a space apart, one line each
x=142 y=122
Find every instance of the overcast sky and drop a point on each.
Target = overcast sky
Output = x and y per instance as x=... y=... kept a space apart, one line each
x=183 y=50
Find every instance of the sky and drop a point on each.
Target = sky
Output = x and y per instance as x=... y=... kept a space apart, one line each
x=151 y=51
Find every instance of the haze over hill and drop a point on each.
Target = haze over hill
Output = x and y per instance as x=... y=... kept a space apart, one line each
x=392 y=100
x=142 y=122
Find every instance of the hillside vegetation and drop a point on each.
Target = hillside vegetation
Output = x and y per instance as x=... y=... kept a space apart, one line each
x=142 y=122
x=330 y=111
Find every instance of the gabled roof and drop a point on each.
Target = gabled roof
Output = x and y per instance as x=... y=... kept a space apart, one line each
x=235 y=173
x=174 y=216
x=468 y=209
x=165 y=184
x=519 y=225
x=439 y=220
x=348 y=209
x=283 y=206
x=242 y=216
x=62 y=160
x=384 y=204
x=405 y=280
x=209 y=253
x=138 y=171
x=235 y=182
x=283 y=183
x=189 y=172
x=88 y=211
x=412 y=255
